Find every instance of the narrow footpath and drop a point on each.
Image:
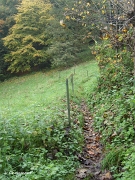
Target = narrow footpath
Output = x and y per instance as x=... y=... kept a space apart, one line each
x=92 y=155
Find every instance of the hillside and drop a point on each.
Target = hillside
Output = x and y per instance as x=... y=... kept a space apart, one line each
x=34 y=92
x=34 y=134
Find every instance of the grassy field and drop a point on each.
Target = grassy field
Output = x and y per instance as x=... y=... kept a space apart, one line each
x=21 y=96
x=36 y=141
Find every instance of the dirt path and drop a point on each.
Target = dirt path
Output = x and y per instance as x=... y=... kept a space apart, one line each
x=92 y=154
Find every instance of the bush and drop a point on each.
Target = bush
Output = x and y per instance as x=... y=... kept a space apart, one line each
x=115 y=67
x=113 y=108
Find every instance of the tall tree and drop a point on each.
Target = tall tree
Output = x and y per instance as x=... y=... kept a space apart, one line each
x=70 y=37
x=7 y=11
x=112 y=17
x=29 y=38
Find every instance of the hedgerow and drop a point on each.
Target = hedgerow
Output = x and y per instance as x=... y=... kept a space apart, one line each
x=113 y=107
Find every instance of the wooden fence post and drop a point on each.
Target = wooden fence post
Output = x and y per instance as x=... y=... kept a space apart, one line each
x=68 y=103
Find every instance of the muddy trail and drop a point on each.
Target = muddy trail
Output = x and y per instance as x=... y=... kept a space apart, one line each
x=92 y=153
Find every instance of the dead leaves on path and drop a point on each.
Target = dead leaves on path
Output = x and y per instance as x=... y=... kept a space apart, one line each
x=91 y=156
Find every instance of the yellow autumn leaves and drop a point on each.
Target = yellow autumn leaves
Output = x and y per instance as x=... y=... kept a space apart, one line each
x=75 y=9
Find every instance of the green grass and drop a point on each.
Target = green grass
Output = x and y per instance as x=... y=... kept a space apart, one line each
x=36 y=141
x=31 y=93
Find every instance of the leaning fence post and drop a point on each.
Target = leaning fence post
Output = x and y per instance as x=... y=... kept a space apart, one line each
x=68 y=102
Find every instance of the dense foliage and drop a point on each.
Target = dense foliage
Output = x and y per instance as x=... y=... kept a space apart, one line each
x=113 y=105
x=38 y=148
x=28 y=38
x=43 y=33
x=7 y=11
x=35 y=39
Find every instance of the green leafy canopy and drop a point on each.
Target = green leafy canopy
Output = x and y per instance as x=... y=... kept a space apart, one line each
x=28 y=38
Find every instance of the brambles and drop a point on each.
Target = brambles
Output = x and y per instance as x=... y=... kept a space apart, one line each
x=113 y=103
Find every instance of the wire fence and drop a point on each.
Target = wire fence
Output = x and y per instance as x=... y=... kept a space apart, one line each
x=70 y=79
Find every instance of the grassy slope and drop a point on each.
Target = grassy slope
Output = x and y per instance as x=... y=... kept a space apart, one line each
x=33 y=123
x=22 y=96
